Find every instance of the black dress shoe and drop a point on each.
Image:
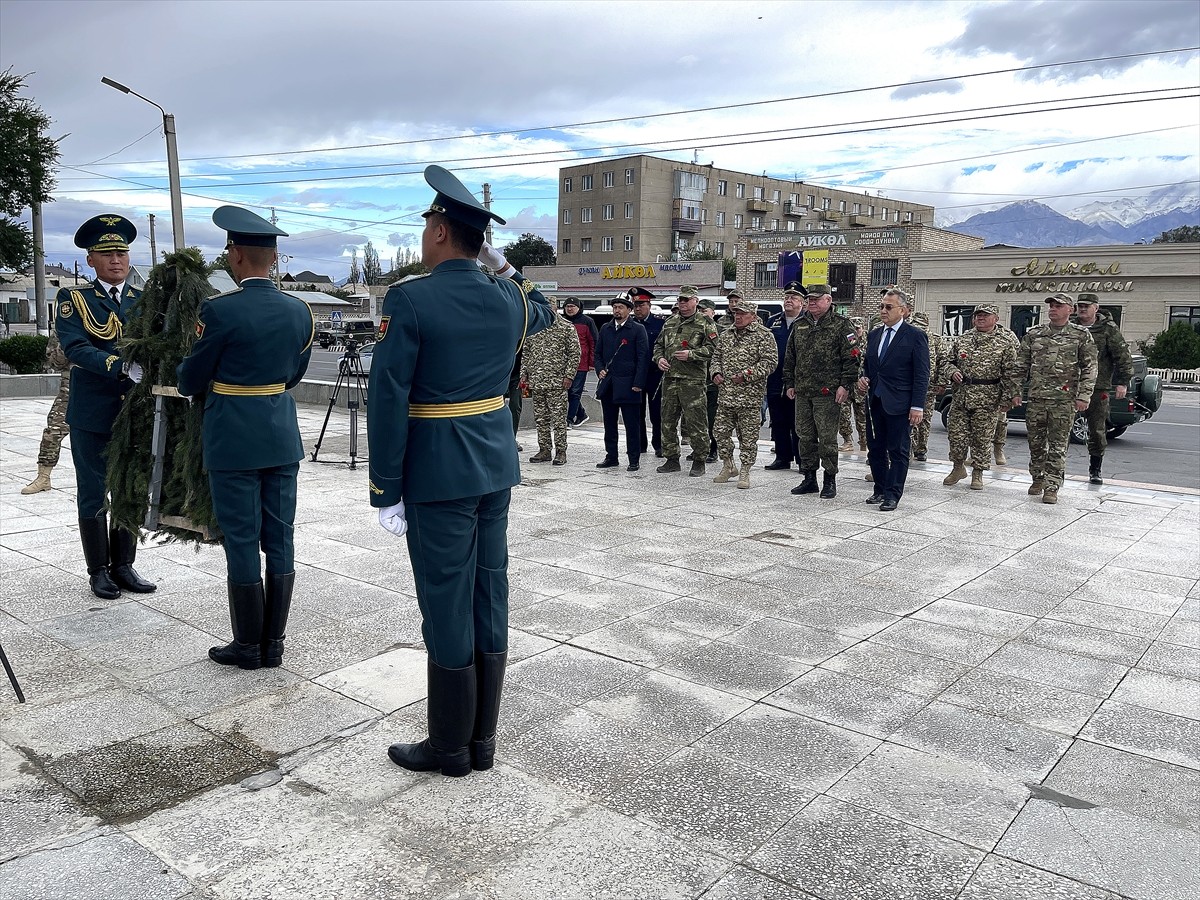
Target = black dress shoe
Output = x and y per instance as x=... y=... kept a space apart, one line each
x=875 y=498
x=608 y=463
x=919 y=457
x=887 y=506
x=632 y=467
x=778 y=464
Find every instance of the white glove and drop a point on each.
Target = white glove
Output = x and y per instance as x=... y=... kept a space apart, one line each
x=494 y=259
x=134 y=372
x=392 y=519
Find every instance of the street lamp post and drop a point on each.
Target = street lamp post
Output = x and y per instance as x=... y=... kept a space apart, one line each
x=172 y=164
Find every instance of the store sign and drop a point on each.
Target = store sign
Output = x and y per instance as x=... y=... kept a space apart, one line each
x=639 y=272
x=858 y=237
x=816 y=267
x=1067 y=286
x=1042 y=268
x=546 y=285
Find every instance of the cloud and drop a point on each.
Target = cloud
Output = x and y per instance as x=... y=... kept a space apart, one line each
x=910 y=91
x=1060 y=30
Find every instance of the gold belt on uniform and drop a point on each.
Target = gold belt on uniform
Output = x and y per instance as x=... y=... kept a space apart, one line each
x=454 y=410
x=247 y=390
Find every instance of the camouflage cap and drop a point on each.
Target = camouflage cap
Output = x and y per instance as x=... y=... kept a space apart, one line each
x=747 y=306
x=818 y=290
x=1061 y=299
x=987 y=308
x=703 y=302
x=688 y=290
x=734 y=293
x=858 y=321
x=1087 y=298
x=920 y=319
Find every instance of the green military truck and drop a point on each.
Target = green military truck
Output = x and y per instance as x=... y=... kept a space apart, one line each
x=1142 y=401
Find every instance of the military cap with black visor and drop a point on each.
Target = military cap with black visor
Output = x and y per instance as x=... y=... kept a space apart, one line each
x=246 y=229
x=90 y=321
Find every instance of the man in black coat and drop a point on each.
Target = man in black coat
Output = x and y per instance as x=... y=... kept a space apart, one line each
x=782 y=409
x=651 y=401
x=622 y=360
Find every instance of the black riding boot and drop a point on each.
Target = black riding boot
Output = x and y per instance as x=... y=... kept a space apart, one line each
x=452 y=694
x=489 y=678
x=1095 y=476
x=122 y=550
x=275 y=616
x=93 y=534
x=246 y=617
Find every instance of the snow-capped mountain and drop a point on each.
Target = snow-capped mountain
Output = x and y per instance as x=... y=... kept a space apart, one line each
x=1128 y=211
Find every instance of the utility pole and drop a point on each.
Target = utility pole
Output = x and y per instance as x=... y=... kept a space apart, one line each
x=153 y=248
x=39 y=272
x=278 y=277
x=487 y=204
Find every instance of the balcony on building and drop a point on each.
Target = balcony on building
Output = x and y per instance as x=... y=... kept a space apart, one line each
x=689 y=226
x=797 y=210
x=758 y=205
x=859 y=221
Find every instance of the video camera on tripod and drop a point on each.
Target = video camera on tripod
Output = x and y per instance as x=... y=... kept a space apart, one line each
x=349 y=369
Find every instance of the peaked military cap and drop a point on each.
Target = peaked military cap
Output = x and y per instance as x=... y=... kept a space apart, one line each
x=747 y=306
x=454 y=201
x=246 y=229
x=704 y=303
x=818 y=290
x=987 y=308
x=795 y=287
x=639 y=293
x=688 y=290
x=105 y=232
x=1061 y=299
x=1087 y=298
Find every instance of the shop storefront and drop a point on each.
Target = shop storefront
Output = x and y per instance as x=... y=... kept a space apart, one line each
x=596 y=285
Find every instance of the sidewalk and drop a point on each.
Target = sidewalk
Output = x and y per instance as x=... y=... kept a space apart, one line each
x=716 y=693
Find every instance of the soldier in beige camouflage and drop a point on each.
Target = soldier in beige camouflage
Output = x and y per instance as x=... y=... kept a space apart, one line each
x=56 y=419
x=681 y=353
x=854 y=410
x=982 y=367
x=746 y=356
x=939 y=355
x=1001 y=437
x=1058 y=360
x=548 y=365
x=1114 y=369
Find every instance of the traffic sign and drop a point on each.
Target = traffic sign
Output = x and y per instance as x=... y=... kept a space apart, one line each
x=335 y=316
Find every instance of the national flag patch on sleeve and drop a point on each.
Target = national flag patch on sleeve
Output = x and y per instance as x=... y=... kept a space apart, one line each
x=199 y=329
x=381 y=332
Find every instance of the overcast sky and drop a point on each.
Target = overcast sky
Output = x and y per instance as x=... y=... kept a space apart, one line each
x=329 y=111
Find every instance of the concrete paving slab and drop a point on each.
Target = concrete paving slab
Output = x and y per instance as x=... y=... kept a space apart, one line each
x=911 y=672
x=865 y=706
x=1147 y=732
x=1042 y=706
x=672 y=708
x=736 y=669
x=385 y=682
x=1001 y=879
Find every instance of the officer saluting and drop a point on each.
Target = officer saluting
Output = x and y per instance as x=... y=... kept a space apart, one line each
x=253 y=344
x=89 y=321
x=443 y=462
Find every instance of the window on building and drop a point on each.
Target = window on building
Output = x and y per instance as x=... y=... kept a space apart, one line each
x=756 y=223
x=737 y=220
x=567 y=186
x=628 y=242
x=791 y=226
x=793 y=199
x=629 y=210
x=629 y=176
x=841 y=206
x=606 y=245
x=567 y=216
x=908 y=217
x=585 y=215
x=758 y=193
x=884 y=272
x=566 y=245
x=722 y=188
x=585 y=245
x=956 y=319
x=764 y=274
x=703 y=215
x=1020 y=319
x=1189 y=314
x=871 y=210
x=1115 y=313
x=608 y=211
x=774 y=224
x=775 y=195
x=587 y=182
x=720 y=218
x=884 y=215
x=739 y=191
x=610 y=178
x=857 y=208
x=826 y=202
x=719 y=248
x=812 y=201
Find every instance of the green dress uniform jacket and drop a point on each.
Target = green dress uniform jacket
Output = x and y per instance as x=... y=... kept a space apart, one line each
x=253 y=344
x=436 y=423
x=89 y=324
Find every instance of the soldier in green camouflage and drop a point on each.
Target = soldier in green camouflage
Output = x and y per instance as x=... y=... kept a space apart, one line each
x=820 y=367
x=854 y=410
x=1114 y=369
x=56 y=419
x=1058 y=360
x=708 y=309
x=1001 y=436
x=548 y=365
x=939 y=355
x=982 y=367
x=746 y=356
x=681 y=353
x=732 y=300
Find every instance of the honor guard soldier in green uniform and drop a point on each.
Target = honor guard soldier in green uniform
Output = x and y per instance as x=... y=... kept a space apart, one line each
x=89 y=321
x=252 y=344
x=443 y=462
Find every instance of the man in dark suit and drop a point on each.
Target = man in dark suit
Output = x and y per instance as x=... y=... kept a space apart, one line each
x=782 y=408
x=896 y=378
x=443 y=462
x=622 y=360
x=651 y=395
x=90 y=320
x=252 y=344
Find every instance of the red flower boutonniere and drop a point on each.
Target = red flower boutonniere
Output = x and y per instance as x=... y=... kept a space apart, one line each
x=1066 y=388
x=962 y=354
x=1104 y=396
x=854 y=352
x=624 y=341
x=825 y=391
x=683 y=344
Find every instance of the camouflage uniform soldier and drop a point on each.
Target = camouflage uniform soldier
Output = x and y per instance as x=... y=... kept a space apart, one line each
x=682 y=352
x=939 y=355
x=1001 y=436
x=982 y=366
x=1058 y=360
x=56 y=419
x=855 y=406
x=1115 y=368
x=548 y=366
x=820 y=368
x=709 y=310
x=746 y=356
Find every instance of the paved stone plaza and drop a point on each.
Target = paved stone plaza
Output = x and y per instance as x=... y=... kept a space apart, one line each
x=712 y=693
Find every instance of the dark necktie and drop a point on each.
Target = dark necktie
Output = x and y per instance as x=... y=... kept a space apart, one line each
x=887 y=339
x=116 y=297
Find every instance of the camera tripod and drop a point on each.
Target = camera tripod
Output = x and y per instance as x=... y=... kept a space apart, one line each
x=352 y=377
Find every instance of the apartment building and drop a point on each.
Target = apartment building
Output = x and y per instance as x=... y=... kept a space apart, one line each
x=639 y=208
